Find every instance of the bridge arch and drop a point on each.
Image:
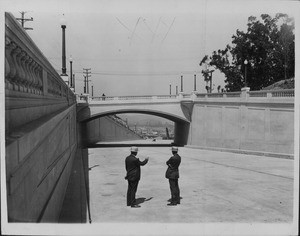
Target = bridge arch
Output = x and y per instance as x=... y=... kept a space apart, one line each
x=181 y=129
x=162 y=114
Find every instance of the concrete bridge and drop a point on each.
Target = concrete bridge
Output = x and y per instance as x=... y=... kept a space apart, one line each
x=168 y=107
x=44 y=127
x=226 y=121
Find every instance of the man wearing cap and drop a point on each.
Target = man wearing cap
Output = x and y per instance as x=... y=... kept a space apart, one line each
x=132 y=164
x=172 y=174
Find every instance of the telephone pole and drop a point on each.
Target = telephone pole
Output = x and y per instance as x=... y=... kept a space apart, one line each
x=23 y=20
x=86 y=79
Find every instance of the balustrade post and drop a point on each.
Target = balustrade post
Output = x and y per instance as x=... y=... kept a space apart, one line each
x=180 y=96
x=194 y=95
x=245 y=93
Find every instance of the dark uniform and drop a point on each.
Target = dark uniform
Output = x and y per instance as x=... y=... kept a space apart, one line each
x=172 y=174
x=133 y=176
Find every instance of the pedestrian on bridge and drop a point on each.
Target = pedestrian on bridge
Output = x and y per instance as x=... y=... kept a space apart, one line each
x=132 y=164
x=172 y=174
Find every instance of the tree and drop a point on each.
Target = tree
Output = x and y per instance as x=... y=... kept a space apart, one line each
x=269 y=47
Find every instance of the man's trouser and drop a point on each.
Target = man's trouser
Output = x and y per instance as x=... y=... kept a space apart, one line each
x=175 y=192
x=131 y=191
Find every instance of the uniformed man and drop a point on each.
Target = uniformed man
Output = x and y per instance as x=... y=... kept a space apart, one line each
x=132 y=164
x=172 y=174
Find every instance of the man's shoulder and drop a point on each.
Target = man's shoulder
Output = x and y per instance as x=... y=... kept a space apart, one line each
x=131 y=157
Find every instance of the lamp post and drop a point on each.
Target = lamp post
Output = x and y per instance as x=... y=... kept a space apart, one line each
x=195 y=87
x=73 y=81
x=170 y=90
x=181 y=84
x=245 y=63
x=63 y=27
x=71 y=73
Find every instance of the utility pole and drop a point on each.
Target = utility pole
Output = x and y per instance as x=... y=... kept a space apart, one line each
x=86 y=77
x=23 y=20
x=84 y=87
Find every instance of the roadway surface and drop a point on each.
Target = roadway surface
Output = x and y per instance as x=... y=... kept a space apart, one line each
x=215 y=187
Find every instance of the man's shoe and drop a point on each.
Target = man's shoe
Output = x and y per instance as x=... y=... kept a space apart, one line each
x=169 y=200
x=172 y=204
x=135 y=206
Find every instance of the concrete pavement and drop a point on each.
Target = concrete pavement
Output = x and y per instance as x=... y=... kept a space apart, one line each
x=215 y=186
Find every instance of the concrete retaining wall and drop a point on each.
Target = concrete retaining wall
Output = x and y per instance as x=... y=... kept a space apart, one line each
x=106 y=129
x=265 y=128
x=38 y=159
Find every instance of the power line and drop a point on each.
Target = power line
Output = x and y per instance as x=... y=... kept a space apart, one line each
x=168 y=30
x=134 y=29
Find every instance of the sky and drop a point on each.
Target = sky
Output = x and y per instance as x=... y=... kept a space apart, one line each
x=138 y=47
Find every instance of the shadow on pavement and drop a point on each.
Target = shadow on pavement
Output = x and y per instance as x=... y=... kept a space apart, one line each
x=142 y=200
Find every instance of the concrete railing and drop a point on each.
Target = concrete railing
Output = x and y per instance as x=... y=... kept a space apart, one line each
x=30 y=77
x=26 y=68
x=284 y=93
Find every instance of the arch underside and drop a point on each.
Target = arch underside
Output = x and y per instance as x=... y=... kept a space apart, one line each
x=168 y=116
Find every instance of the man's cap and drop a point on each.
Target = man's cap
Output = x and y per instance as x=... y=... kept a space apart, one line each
x=175 y=149
x=134 y=149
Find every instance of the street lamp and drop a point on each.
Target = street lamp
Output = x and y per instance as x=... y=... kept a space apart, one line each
x=181 y=84
x=170 y=90
x=63 y=24
x=71 y=73
x=245 y=63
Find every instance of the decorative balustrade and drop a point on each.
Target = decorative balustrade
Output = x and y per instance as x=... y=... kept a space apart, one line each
x=232 y=94
x=285 y=93
x=166 y=96
x=26 y=68
x=257 y=93
x=215 y=95
x=218 y=95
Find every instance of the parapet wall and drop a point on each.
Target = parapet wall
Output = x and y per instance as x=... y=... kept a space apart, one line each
x=261 y=125
x=40 y=128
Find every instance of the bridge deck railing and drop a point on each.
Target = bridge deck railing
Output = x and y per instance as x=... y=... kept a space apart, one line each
x=261 y=94
x=30 y=78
